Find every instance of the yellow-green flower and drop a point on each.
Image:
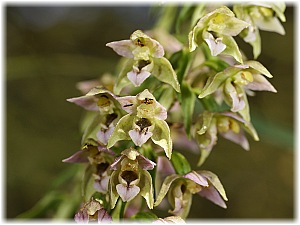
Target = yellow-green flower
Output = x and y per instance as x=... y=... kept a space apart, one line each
x=145 y=119
x=130 y=178
x=217 y=29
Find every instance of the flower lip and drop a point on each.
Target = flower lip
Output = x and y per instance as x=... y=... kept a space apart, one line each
x=81 y=217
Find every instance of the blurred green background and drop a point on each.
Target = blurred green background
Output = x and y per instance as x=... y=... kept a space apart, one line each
x=49 y=48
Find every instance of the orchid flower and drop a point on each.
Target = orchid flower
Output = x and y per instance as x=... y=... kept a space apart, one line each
x=145 y=57
x=100 y=159
x=169 y=219
x=92 y=211
x=235 y=81
x=145 y=119
x=97 y=99
x=180 y=189
x=229 y=125
x=217 y=29
x=130 y=178
x=260 y=16
x=103 y=123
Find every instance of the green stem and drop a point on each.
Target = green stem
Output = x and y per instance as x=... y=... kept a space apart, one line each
x=166 y=19
x=206 y=51
x=122 y=210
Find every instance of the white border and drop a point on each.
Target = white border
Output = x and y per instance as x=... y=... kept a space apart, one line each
x=95 y=2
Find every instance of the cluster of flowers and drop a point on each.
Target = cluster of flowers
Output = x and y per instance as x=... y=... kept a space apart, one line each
x=151 y=100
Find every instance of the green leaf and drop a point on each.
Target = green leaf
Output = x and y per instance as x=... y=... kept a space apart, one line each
x=162 y=137
x=184 y=13
x=50 y=201
x=122 y=80
x=183 y=64
x=145 y=216
x=121 y=130
x=166 y=97
x=187 y=100
x=216 y=64
x=213 y=178
x=163 y=71
x=198 y=13
x=209 y=103
x=165 y=188
x=180 y=163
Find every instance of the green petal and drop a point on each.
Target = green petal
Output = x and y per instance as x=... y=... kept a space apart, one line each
x=166 y=97
x=113 y=181
x=251 y=130
x=215 y=81
x=91 y=126
x=122 y=80
x=245 y=112
x=232 y=48
x=87 y=188
x=147 y=188
x=256 y=45
x=224 y=10
x=227 y=25
x=165 y=187
x=270 y=24
x=187 y=198
x=144 y=216
x=259 y=67
x=121 y=130
x=204 y=153
x=207 y=135
x=163 y=71
x=162 y=137
x=192 y=39
x=213 y=178
x=206 y=118
x=279 y=8
x=97 y=90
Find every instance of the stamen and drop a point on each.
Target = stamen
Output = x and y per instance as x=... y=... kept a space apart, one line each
x=148 y=101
